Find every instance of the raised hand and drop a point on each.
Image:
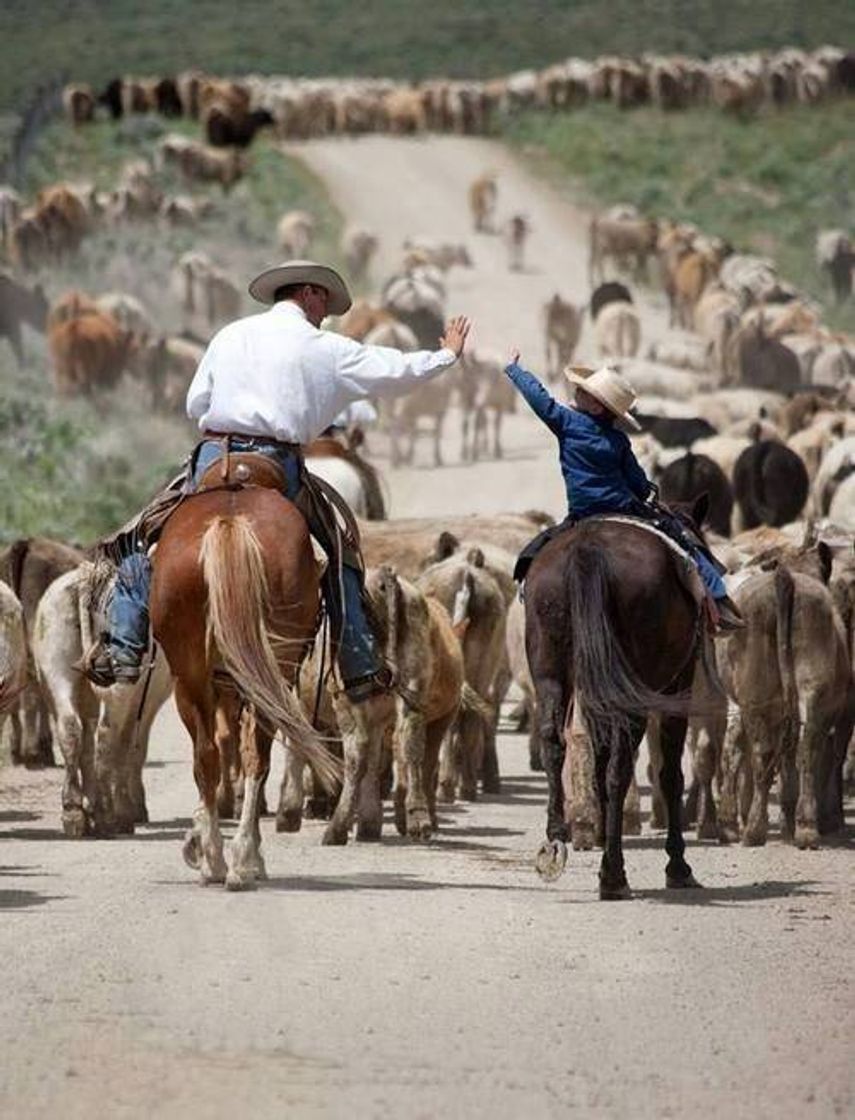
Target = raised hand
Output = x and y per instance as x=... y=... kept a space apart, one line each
x=456 y=333
x=514 y=356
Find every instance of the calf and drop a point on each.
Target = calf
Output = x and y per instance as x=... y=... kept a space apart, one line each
x=102 y=733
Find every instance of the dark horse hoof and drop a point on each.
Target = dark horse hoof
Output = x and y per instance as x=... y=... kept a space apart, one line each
x=615 y=894
x=681 y=882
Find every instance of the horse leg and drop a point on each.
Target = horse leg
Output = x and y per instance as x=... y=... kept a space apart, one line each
x=677 y=872
x=226 y=719
x=203 y=845
x=658 y=813
x=355 y=742
x=247 y=863
x=732 y=762
x=491 y=781
x=289 y=816
x=471 y=748
x=618 y=775
x=552 y=708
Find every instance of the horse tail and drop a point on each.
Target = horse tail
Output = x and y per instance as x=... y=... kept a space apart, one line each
x=607 y=688
x=235 y=579
x=785 y=589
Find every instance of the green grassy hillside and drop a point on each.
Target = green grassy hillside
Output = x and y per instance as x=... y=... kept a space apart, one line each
x=767 y=185
x=94 y=41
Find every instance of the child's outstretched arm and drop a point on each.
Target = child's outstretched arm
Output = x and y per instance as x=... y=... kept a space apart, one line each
x=635 y=475
x=550 y=411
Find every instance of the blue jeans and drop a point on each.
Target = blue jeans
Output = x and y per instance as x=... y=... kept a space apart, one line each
x=127 y=615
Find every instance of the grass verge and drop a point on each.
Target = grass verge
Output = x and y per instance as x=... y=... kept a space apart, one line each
x=767 y=184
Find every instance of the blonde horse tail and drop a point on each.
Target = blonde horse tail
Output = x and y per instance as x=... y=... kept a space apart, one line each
x=234 y=575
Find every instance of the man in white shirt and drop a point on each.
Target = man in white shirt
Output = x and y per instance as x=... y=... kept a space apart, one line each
x=270 y=383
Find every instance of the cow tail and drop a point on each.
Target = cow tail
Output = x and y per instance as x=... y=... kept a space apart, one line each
x=784 y=602
x=234 y=574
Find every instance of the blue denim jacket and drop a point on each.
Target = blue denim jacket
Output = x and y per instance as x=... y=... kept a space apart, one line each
x=601 y=473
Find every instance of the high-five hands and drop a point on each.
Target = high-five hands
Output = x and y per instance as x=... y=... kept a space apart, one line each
x=456 y=333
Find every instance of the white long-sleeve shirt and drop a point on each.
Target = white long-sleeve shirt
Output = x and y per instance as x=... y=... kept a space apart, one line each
x=274 y=374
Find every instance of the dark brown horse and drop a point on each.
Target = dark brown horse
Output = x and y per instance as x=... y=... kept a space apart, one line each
x=234 y=604
x=612 y=634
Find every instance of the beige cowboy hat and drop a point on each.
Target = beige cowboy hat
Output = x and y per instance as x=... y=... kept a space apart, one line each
x=265 y=285
x=609 y=388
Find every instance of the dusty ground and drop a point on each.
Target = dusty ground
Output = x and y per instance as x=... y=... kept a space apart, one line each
x=388 y=979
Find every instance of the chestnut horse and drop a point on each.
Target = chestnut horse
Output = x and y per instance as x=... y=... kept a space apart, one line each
x=612 y=634
x=234 y=603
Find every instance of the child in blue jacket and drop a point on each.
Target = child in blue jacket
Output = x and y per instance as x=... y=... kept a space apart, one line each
x=601 y=472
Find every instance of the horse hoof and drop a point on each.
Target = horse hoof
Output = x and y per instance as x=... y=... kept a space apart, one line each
x=707 y=831
x=74 y=823
x=615 y=894
x=493 y=786
x=551 y=859
x=682 y=882
x=728 y=834
x=192 y=851
x=334 y=837
x=446 y=793
x=290 y=820
x=751 y=839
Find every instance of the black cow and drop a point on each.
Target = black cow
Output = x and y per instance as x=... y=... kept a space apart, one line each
x=770 y=484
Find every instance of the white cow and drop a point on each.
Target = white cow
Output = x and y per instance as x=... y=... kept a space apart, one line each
x=102 y=732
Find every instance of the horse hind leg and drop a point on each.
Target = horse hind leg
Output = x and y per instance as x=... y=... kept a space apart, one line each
x=203 y=845
x=247 y=863
x=677 y=872
x=616 y=781
x=552 y=705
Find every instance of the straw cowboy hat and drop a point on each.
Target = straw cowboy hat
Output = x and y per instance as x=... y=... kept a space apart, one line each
x=609 y=388
x=264 y=286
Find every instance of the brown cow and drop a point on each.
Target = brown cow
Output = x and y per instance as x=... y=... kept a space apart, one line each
x=89 y=353
x=78 y=101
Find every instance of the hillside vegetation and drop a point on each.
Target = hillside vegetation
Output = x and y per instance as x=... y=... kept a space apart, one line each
x=78 y=469
x=93 y=41
x=767 y=184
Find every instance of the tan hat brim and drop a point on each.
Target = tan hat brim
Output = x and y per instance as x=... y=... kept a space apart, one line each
x=264 y=287
x=583 y=383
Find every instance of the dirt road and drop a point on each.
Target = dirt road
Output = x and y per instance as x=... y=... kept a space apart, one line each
x=389 y=980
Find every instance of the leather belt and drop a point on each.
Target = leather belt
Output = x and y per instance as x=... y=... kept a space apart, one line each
x=208 y=434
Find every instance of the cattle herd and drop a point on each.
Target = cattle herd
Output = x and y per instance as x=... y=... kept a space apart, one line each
x=747 y=398
x=299 y=108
